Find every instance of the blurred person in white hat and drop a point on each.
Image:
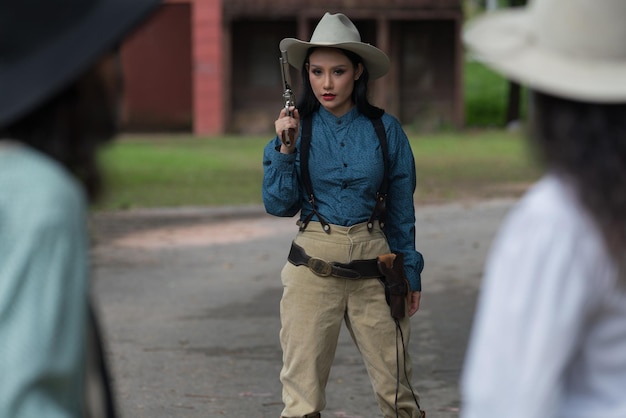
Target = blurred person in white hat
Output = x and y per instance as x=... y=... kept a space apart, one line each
x=549 y=336
x=60 y=86
x=350 y=174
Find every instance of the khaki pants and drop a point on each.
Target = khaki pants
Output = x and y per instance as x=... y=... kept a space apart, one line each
x=312 y=310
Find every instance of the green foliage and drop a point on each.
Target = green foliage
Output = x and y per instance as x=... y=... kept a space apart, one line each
x=485 y=91
x=485 y=96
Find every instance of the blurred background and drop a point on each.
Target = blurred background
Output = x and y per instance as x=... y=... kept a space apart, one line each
x=211 y=66
x=203 y=89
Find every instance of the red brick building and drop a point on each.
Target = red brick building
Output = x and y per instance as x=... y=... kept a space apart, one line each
x=211 y=66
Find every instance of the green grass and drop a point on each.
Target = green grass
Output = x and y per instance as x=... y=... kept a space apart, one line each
x=473 y=165
x=157 y=171
x=181 y=170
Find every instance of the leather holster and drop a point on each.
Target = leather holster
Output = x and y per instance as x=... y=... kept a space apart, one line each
x=394 y=279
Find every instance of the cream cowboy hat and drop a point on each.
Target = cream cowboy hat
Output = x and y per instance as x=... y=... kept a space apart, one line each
x=337 y=31
x=574 y=49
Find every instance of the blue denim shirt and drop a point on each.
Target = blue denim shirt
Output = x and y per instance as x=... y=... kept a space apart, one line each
x=346 y=167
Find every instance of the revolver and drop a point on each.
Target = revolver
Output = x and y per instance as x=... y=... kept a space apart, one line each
x=288 y=135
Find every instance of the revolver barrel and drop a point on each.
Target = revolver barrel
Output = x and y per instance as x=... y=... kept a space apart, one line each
x=289 y=98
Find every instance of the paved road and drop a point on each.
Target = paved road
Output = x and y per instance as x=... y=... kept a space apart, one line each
x=189 y=301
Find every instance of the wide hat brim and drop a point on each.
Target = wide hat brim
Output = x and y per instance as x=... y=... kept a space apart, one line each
x=337 y=31
x=507 y=42
x=30 y=79
x=375 y=60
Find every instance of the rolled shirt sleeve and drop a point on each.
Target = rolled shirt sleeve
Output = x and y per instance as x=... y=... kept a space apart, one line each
x=282 y=195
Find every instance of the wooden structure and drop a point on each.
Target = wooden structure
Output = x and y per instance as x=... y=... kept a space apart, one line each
x=212 y=67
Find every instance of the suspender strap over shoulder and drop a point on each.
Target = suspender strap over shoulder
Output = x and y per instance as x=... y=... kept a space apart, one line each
x=381 y=194
x=305 y=145
x=380 y=207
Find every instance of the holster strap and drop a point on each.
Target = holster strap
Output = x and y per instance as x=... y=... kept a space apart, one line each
x=357 y=269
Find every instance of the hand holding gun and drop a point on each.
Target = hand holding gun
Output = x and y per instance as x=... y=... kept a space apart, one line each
x=288 y=135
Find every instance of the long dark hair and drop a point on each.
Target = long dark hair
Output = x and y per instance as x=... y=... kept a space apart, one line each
x=309 y=104
x=587 y=141
x=70 y=127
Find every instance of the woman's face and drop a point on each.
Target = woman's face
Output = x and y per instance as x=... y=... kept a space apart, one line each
x=332 y=76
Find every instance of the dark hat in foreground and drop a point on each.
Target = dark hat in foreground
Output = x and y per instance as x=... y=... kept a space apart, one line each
x=46 y=44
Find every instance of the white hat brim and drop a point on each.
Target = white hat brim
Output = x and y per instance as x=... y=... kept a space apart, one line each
x=376 y=61
x=504 y=41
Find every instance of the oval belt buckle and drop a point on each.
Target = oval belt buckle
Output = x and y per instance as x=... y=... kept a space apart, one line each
x=319 y=267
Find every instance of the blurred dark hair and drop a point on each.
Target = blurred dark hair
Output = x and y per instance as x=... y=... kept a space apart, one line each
x=587 y=141
x=70 y=127
x=309 y=104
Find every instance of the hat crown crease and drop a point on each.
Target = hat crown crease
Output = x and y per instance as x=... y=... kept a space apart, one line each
x=335 y=29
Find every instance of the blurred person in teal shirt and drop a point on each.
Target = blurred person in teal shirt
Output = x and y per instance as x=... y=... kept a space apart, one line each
x=60 y=85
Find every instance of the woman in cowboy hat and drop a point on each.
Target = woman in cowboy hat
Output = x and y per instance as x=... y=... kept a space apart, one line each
x=549 y=337
x=59 y=85
x=332 y=272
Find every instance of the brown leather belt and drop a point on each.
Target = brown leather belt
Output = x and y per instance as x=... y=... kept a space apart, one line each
x=357 y=269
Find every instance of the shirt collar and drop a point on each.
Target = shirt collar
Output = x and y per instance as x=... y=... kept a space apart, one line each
x=331 y=119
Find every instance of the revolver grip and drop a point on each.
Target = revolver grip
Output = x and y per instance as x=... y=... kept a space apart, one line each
x=288 y=136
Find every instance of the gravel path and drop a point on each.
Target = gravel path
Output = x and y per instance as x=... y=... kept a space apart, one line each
x=189 y=301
